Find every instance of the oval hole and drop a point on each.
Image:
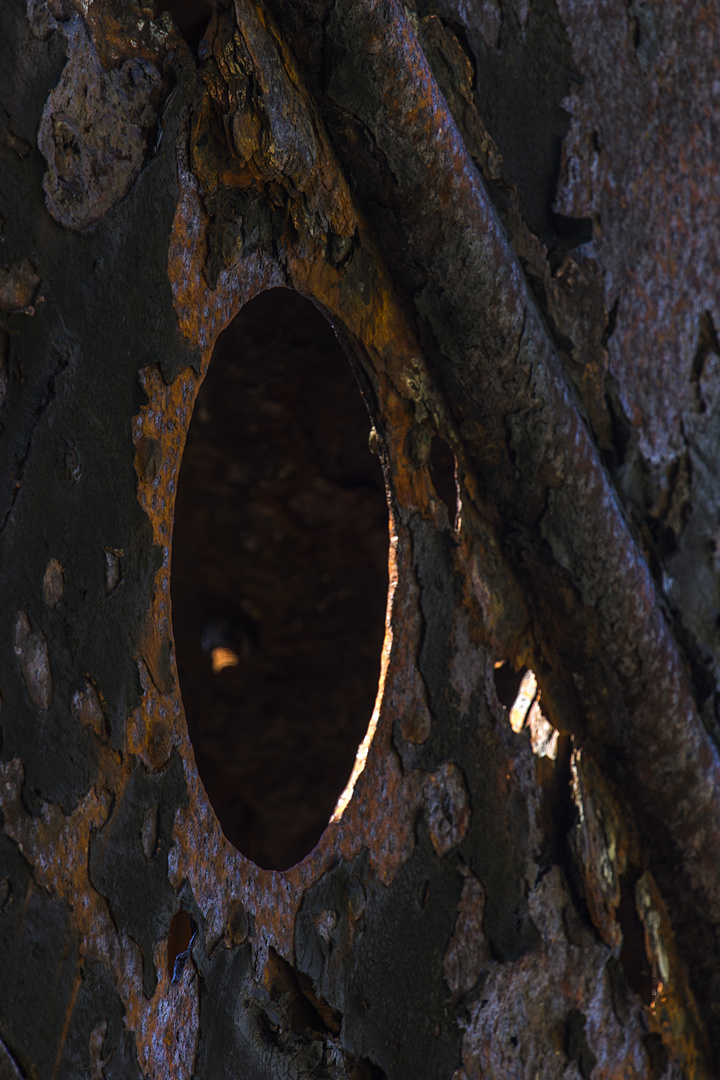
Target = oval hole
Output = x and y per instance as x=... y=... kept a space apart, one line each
x=279 y=577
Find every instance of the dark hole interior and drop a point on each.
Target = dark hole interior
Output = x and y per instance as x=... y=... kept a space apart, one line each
x=507 y=683
x=279 y=577
x=633 y=956
x=442 y=471
x=191 y=17
x=179 y=936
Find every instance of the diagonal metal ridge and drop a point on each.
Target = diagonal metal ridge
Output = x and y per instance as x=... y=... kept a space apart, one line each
x=612 y=670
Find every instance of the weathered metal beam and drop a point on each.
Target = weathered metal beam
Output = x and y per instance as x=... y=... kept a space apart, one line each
x=606 y=657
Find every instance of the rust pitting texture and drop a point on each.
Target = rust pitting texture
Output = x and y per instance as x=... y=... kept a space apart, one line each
x=380 y=813
x=94 y=131
x=640 y=160
x=219 y=876
x=119 y=31
x=414 y=826
x=521 y=1020
x=499 y=365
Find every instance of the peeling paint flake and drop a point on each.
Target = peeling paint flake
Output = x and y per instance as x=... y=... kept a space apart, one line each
x=93 y=132
x=88 y=710
x=447 y=806
x=468 y=950
x=32 y=653
x=53 y=583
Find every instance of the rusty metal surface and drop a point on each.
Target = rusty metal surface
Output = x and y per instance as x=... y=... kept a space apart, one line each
x=537 y=461
x=449 y=812
x=640 y=160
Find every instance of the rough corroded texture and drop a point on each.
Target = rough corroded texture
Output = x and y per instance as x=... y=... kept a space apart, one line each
x=94 y=131
x=473 y=908
x=651 y=182
x=616 y=675
x=639 y=160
